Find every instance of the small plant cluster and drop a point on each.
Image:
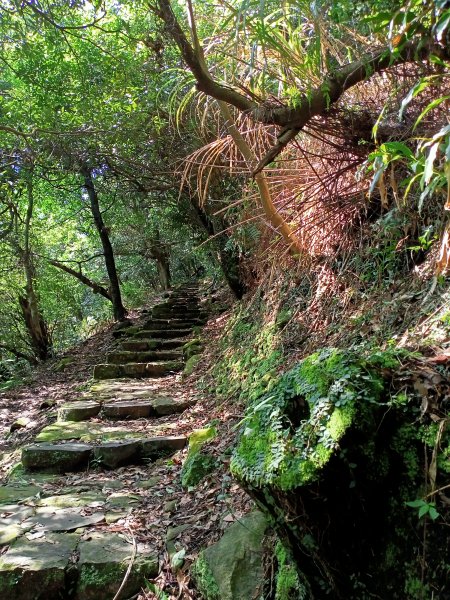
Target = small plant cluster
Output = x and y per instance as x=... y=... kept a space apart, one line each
x=291 y=431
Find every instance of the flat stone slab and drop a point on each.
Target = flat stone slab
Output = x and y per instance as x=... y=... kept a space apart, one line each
x=11 y=494
x=85 y=432
x=36 y=570
x=114 y=454
x=149 y=369
x=49 y=518
x=78 y=411
x=168 y=406
x=104 y=560
x=162 y=334
x=126 y=356
x=128 y=410
x=156 y=447
x=56 y=458
x=85 y=499
x=142 y=345
x=11 y=520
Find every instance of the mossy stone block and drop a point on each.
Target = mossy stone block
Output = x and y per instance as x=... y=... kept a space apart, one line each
x=169 y=406
x=232 y=568
x=36 y=570
x=104 y=560
x=114 y=454
x=56 y=458
x=78 y=411
x=107 y=371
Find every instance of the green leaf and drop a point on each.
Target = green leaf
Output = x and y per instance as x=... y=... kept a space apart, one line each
x=442 y=25
x=429 y=163
x=433 y=513
x=415 y=503
x=423 y=510
x=178 y=559
x=436 y=102
x=413 y=92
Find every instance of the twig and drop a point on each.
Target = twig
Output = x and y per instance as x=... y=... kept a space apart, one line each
x=130 y=566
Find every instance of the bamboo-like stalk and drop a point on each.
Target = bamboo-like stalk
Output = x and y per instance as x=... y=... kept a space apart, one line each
x=273 y=216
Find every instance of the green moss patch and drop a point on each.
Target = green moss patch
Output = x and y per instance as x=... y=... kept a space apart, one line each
x=198 y=464
x=293 y=430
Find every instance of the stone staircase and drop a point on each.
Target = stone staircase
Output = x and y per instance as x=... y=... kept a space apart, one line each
x=156 y=348
x=115 y=423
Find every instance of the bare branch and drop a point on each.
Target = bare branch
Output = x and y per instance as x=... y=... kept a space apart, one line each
x=95 y=287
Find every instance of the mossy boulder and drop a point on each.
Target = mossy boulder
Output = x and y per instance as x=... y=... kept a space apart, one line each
x=232 y=569
x=335 y=454
x=78 y=411
x=192 y=347
x=191 y=365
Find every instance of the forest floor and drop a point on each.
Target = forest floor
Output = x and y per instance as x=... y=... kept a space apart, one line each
x=157 y=501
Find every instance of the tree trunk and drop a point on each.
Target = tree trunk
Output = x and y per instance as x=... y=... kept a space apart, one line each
x=118 y=308
x=164 y=272
x=35 y=324
x=228 y=258
x=160 y=252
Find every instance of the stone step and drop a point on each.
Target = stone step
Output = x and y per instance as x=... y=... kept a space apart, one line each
x=168 y=309
x=156 y=447
x=56 y=458
x=182 y=315
x=115 y=454
x=171 y=323
x=150 y=369
x=44 y=568
x=162 y=333
x=142 y=345
x=122 y=357
x=78 y=411
x=70 y=457
x=128 y=409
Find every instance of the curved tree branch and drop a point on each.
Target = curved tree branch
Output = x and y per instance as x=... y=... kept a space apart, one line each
x=95 y=287
x=316 y=102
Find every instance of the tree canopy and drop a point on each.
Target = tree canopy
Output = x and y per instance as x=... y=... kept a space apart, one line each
x=141 y=141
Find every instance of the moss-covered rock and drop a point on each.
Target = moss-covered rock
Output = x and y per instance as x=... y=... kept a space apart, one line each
x=192 y=347
x=65 y=362
x=36 y=570
x=191 y=364
x=334 y=455
x=197 y=467
x=232 y=569
x=104 y=560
